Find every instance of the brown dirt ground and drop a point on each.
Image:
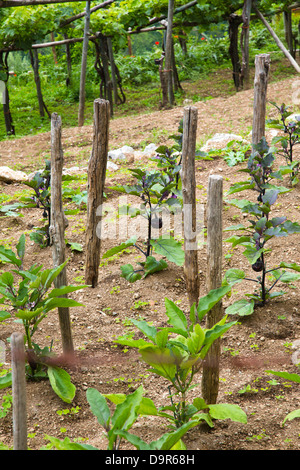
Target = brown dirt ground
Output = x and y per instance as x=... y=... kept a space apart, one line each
x=258 y=342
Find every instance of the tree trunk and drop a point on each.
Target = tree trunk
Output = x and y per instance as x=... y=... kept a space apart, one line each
x=168 y=60
x=10 y=130
x=34 y=58
x=69 y=62
x=58 y=224
x=234 y=22
x=96 y=180
x=245 y=43
x=262 y=68
x=189 y=204
x=210 y=375
x=105 y=65
x=113 y=70
x=53 y=48
x=287 y=18
x=84 y=64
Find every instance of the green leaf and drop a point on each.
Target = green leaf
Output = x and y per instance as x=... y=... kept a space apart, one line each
x=126 y=412
x=242 y=308
x=117 y=249
x=152 y=265
x=252 y=254
x=129 y=273
x=169 y=248
x=7 y=279
x=160 y=359
x=207 y=302
x=285 y=375
x=75 y=246
x=148 y=330
x=227 y=411
x=98 y=406
x=66 y=444
x=4 y=315
x=21 y=246
x=294 y=266
x=8 y=256
x=65 y=290
x=232 y=276
x=56 y=302
x=5 y=380
x=176 y=317
x=61 y=383
x=292 y=415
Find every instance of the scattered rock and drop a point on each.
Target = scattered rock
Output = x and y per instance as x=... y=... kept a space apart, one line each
x=11 y=176
x=219 y=141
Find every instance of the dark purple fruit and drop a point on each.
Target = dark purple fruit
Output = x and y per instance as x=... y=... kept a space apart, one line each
x=258 y=265
x=156 y=222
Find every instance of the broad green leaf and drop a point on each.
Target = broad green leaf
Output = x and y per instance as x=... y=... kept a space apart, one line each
x=56 y=302
x=53 y=273
x=169 y=248
x=98 y=406
x=64 y=290
x=117 y=249
x=241 y=307
x=233 y=276
x=145 y=328
x=160 y=359
x=61 y=383
x=126 y=412
x=285 y=375
x=252 y=254
x=8 y=256
x=207 y=302
x=227 y=411
x=5 y=380
x=129 y=273
x=132 y=343
x=161 y=338
x=21 y=246
x=152 y=265
x=66 y=444
x=176 y=317
x=237 y=240
x=75 y=246
x=218 y=330
x=4 y=315
x=294 y=266
x=292 y=415
x=7 y=279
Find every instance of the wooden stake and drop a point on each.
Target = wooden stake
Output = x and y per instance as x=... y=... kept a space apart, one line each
x=58 y=224
x=262 y=67
x=189 y=203
x=210 y=376
x=96 y=181
x=19 y=392
x=277 y=40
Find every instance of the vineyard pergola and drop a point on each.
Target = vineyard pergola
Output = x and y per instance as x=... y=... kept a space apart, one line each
x=119 y=19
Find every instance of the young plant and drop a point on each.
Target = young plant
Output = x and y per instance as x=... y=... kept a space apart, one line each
x=176 y=353
x=31 y=299
x=261 y=229
x=157 y=192
x=288 y=141
x=293 y=378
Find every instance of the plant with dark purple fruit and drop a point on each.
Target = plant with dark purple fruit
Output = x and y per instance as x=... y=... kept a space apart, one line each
x=261 y=229
x=290 y=138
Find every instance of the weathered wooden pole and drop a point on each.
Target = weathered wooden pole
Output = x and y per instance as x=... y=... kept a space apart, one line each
x=262 y=67
x=85 y=46
x=277 y=40
x=96 y=180
x=210 y=376
x=58 y=224
x=189 y=203
x=19 y=392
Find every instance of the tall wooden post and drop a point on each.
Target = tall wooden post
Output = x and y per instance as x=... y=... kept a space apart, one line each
x=85 y=46
x=262 y=67
x=189 y=203
x=58 y=224
x=19 y=392
x=210 y=376
x=96 y=180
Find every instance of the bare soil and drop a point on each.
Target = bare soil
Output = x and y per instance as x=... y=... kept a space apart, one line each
x=259 y=342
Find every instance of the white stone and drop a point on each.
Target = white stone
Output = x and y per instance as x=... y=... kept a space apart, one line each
x=111 y=166
x=219 y=141
x=150 y=149
x=11 y=176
